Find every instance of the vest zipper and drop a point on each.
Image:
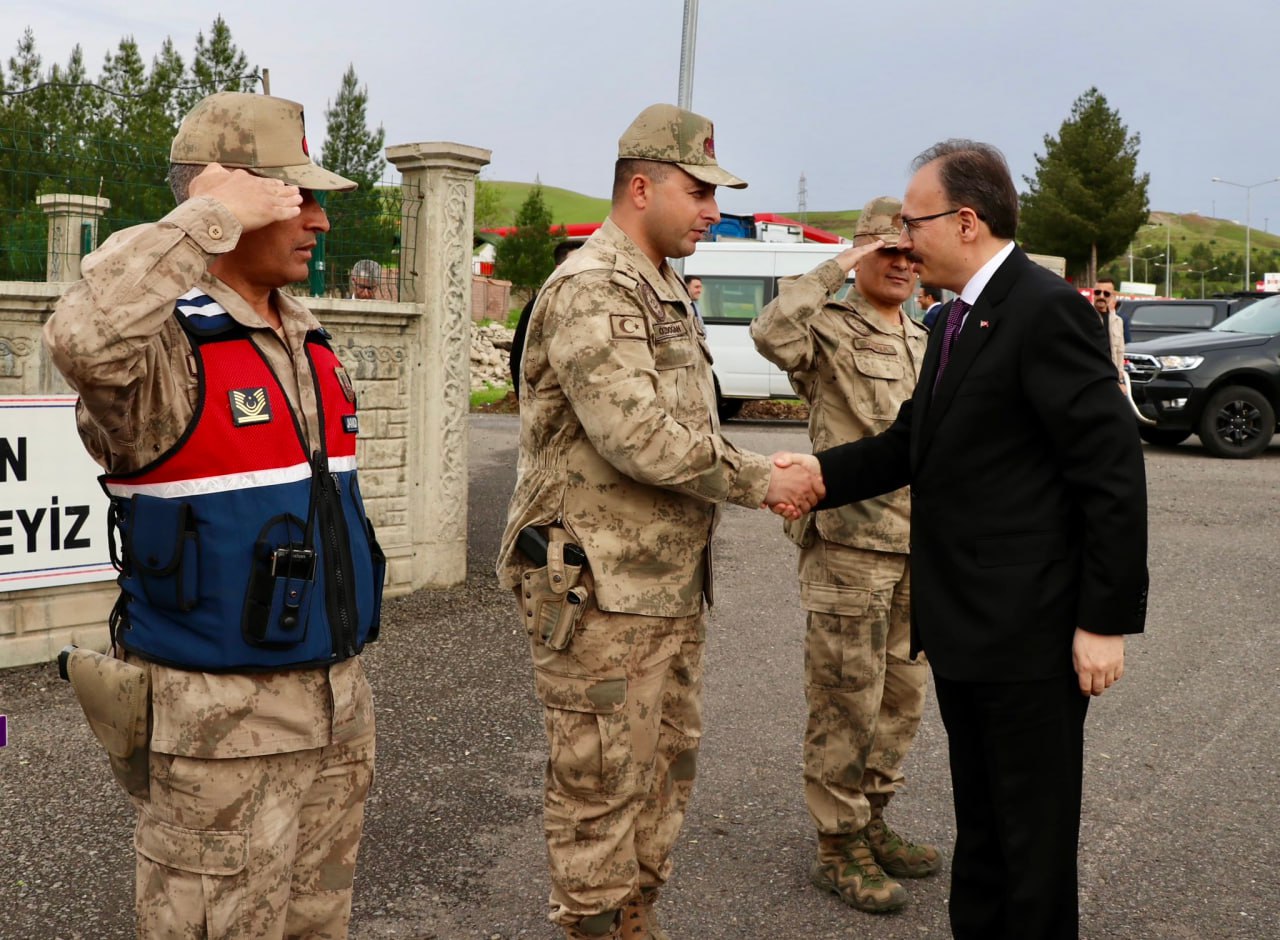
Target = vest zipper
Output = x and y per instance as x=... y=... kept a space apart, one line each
x=340 y=592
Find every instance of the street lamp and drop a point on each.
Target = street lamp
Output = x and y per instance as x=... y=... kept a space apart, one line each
x=1146 y=270
x=1168 y=231
x=1247 y=192
x=1202 y=274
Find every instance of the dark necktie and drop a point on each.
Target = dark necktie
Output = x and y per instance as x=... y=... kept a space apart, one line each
x=955 y=316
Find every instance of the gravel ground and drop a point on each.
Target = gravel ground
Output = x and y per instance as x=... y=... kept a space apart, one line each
x=1181 y=816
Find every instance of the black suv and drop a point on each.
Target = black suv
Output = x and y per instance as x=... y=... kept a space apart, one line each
x=1152 y=319
x=1222 y=384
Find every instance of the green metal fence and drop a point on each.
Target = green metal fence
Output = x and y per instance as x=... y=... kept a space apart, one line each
x=365 y=224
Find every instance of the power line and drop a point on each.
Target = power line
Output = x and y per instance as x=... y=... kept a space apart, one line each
x=257 y=78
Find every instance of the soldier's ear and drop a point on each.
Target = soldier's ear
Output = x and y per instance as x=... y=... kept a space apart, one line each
x=640 y=190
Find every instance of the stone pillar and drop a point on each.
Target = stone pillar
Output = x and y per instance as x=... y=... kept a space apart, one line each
x=69 y=216
x=439 y=184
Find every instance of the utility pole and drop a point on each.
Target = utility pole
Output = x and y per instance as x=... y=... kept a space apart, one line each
x=688 y=44
x=802 y=199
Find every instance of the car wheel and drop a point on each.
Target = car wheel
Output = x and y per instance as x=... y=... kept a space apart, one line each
x=1237 y=422
x=726 y=407
x=1162 y=437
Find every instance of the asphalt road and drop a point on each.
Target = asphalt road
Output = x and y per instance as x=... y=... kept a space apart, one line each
x=1182 y=809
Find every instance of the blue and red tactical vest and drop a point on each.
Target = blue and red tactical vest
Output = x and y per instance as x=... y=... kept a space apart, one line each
x=239 y=550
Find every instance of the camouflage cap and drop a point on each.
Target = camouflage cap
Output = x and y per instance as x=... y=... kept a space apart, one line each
x=252 y=132
x=881 y=218
x=667 y=134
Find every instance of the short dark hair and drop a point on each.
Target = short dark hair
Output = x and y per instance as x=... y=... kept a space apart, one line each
x=564 y=249
x=628 y=167
x=930 y=291
x=690 y=278
x=1106 y=279
x=976 y=175
x=179 y=178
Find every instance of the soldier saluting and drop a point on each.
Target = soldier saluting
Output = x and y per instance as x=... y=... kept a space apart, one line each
x=250 y=578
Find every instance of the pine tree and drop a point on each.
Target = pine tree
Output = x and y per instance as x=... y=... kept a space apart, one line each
x=527 y=255
x=1087 y=199
x=218 y=65
x=361 y=225
x=25 y=166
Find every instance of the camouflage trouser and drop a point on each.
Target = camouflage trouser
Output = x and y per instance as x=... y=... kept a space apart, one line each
x=865 y=694
x=252 y=847
x=623 y=709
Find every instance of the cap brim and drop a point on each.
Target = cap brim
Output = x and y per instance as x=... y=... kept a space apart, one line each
x=890 y=241
x=307 y=176
x=714 y=175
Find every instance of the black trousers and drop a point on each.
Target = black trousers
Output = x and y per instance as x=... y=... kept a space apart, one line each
x=1017 y=761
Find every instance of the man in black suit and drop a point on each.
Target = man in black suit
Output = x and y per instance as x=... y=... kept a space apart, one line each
x=1029 y=538
x=929 y=299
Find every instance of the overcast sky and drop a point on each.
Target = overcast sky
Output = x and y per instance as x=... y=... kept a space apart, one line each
x=845 y=92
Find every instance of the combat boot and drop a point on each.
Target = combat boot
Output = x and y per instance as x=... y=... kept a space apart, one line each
x=898 y=856
x=639 y=921
x=603 y=926
x=847 y=868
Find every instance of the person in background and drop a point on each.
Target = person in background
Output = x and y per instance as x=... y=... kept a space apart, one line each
x=562 y=250
x=855 y=361
x=366 y=279
x=693 y=284
x=929 y=300
x=1104 y=301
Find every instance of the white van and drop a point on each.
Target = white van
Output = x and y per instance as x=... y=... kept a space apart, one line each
x=738 y=279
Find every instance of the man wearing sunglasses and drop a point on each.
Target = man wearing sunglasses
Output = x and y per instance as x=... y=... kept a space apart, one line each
x=1104 y=301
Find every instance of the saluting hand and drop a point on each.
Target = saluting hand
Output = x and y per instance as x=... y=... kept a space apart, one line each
x=850 y=256
x=255 y=201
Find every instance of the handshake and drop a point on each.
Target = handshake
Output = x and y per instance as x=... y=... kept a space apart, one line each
x=795 y=485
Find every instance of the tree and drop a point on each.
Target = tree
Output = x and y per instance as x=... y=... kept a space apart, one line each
x=1087 y=199
x=362 y=228
x=526 y=256
x=488 y=208
x=219 y=65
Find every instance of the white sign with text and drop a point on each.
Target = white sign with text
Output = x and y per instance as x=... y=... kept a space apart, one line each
x=53 y=513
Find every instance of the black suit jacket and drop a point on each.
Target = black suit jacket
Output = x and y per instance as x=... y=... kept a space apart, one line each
x=1029 y=513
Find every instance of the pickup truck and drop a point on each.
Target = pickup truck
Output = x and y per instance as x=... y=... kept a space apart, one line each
x=1151 y=319
x=1221 y=384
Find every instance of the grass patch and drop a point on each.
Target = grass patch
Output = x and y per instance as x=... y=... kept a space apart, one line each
x=489 y=394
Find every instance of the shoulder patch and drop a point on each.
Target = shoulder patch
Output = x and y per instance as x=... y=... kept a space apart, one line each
x=651 y=301
x=623 y=279
x=628 y=326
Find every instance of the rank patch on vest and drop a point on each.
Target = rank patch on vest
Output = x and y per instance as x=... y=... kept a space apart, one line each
x=345 y=381
x=351 y=424
x=249 y=406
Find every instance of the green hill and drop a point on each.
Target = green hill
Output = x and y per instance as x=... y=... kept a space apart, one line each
x=566 y=207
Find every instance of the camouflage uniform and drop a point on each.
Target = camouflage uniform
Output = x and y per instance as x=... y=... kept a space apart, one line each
x=619 y=446
x=865 y=693
x=257 y=782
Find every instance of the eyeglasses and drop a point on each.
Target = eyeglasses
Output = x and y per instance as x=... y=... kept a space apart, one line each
x=907 y=223
x=1098 y=292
